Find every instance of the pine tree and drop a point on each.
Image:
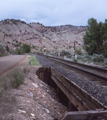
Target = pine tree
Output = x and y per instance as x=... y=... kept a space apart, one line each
x=95 y=36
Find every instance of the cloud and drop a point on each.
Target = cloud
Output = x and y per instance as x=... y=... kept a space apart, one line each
x=54 y=12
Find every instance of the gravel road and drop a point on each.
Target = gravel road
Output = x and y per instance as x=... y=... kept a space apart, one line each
x=9 y=62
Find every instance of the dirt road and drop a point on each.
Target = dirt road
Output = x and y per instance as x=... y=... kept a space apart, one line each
x=10 y=62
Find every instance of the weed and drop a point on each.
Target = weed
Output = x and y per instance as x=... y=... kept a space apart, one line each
x=17 y=78
x=25 y=70
x=105 y=63
x=74 y=60
x=2 y=79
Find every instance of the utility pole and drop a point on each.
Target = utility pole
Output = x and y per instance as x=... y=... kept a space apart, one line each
x=74 y=45
x=75 y=53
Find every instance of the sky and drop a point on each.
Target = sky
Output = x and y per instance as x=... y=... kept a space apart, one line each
x=54 y=12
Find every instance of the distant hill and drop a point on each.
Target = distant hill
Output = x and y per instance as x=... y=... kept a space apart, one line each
x=16 y=32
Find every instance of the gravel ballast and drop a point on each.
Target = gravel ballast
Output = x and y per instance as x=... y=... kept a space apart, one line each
x=97 y=91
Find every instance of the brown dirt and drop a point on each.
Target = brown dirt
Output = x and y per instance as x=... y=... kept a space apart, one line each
x=15 y=65
x=33 y=100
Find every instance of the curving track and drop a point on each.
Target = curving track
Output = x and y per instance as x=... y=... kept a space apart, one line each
x=99 y=74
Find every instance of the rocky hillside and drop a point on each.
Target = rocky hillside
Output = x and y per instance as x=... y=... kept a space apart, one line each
x=16 y=32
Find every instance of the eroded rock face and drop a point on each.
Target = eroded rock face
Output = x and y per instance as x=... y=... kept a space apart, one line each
x=16 y=32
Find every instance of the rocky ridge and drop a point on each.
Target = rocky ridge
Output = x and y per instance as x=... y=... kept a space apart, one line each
x=16 y=32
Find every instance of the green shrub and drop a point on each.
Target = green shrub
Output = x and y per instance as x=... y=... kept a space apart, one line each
x=65 y=53
x=25 y=48
x=105 y=63
x=98 y=58
x=87 y=56
x=7 y=48
x=79 y=57
x=105 y=52
x=17 y=78
x=14 y=79
x=79 y=52
x=2 y=50
x=25 y=70
x=75 y=60
x=21 y=51
x=84 y=59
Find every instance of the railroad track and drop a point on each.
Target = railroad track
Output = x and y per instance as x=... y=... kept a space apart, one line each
x=82 y=105
x=88 y=100
x=99 y=74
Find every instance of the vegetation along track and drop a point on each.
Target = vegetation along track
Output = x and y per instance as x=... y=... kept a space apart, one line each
x=99 y=74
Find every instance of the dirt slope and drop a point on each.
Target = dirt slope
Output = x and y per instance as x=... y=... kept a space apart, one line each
x=33 y=100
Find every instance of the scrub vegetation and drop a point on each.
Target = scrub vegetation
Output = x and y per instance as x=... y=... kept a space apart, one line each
x=33 y=60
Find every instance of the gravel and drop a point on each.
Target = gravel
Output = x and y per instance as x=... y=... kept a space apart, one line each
x=97 y=91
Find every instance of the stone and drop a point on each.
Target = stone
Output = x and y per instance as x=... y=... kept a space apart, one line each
x=35 y=85
x=31 y=94
x=21 y=111
x=46 y=110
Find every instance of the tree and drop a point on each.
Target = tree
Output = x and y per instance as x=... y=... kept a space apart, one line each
x=25 y=48
x=95 y=36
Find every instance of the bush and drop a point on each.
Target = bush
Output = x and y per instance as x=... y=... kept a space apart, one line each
x=79 y=52
x=105 y=53
x=14 y=80
x=2 y=50
x=105 y=62
x=7 y=48
x=4 y=83
x=87 y=56
x=79 y=57
x=25 y=48
x=65 y=53
x=85 y=59
x=98 y=58
x=17 y=78
x=21 y=51
x=75 y=60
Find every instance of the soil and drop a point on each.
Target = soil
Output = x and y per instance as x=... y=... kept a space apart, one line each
x=33 y=100
x=7 y=65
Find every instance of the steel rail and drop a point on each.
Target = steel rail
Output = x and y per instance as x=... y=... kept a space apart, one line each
x=67 y=64
x=84 y=71
x=80 y=64
x=88 y=107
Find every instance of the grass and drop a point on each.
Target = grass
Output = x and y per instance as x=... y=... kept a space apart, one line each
x=33 y=60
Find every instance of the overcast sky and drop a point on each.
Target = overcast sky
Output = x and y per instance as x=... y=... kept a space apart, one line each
x=54 y=12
